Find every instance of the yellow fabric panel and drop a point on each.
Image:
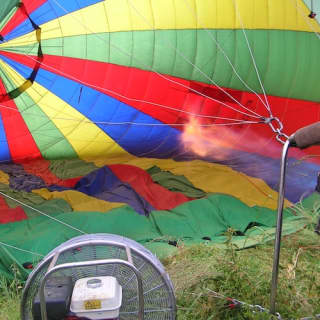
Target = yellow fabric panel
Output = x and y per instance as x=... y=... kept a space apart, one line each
x=210 y=177
x=215 y=178
x=124 y=15
x=176 y=14
x=222 y=179
x=86 y=138
x=208 y=14
x=25 y=40
x=4 y=178
x=112 y=159
x=78 y=200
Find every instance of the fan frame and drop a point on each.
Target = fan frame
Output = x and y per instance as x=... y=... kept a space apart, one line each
x=74 y=243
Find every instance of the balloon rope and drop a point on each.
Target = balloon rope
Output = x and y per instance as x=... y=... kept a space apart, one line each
x=44 y=214
x=237 y=121
x=214 y=39
x=143 y=101
x=200 y=71
x=241 y=122
x=114 y=93
x=252 y=56
x=19 y=249
x=157 y=73
x=14 y=93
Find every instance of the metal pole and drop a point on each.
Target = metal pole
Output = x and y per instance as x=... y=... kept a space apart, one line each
x=276 y=256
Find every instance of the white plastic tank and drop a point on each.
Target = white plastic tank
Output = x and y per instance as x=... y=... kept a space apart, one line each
x=96 y=298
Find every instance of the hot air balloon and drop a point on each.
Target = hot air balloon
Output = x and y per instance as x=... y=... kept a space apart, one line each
x=95 y=92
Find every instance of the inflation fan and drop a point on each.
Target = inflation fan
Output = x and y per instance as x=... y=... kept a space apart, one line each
x=101 y=277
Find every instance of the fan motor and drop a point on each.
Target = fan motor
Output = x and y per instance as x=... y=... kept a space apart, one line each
x=99 y=277
x=92 y=298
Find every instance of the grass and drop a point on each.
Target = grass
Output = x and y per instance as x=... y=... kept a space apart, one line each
x=246 y=275
x=201 y=271
x=10 y=294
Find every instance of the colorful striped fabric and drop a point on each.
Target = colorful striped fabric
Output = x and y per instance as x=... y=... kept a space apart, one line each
x=119 y=184
x=118 y=79
x=93 y=93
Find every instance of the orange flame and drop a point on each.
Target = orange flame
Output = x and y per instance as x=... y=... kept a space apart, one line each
x=218 y=142
x=208 y=141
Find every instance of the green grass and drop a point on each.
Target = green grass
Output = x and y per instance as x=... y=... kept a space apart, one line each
x=199 y=271
x=10 y=294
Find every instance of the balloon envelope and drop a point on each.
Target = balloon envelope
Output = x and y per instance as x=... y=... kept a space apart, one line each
x=196 y=92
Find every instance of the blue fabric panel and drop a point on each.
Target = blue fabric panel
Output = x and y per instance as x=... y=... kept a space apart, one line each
x=20 y=180
x=157 y=140
x=163 y=141
x=50 y=10
x=301 y=176
x=4 y=148
x=104 y=185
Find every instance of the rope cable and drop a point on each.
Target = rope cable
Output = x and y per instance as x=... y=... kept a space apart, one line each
x=19 y=249
x=157 y=73
x=139 y=100
x=201 y=72
x=43 y=213
x=226 y=57
x=128 y=98
x=236 y=121
x=252 y=56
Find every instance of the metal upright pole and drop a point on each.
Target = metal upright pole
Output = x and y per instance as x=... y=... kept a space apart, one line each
x=276 y=256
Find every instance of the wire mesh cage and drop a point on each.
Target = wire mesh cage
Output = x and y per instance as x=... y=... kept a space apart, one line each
x=157 y=289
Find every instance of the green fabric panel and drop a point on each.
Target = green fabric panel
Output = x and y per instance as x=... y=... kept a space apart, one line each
x=194 y=54
x=175 y=183
x=65 y=169
x=47 y=136
x=40 y=234
x=312 y=202
x=48 y=207
x=190 y=222
x=253 y=237
x=211 y=217
x=9 y=261
x=7 y=7
x=28 y=198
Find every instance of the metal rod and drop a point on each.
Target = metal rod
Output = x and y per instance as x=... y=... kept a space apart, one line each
x=129 y=255
x=87 y=264
x=276 y=256
x=54 y=260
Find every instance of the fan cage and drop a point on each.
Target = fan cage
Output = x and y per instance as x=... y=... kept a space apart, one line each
x=158 y=293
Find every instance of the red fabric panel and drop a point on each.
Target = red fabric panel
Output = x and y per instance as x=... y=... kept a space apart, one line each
x=19 y=138
x=158 y=196
x=3 y=203
x=8 y=214
x=20 y=15
x=130 y=85
x=12 y=215
x=41 y=168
